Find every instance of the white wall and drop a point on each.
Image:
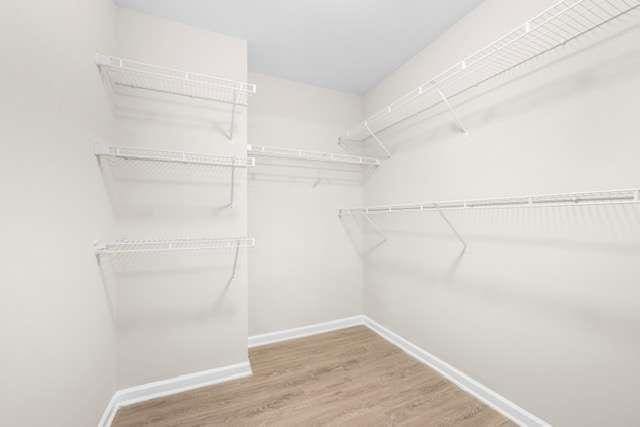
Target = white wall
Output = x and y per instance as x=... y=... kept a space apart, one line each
x=57 y=357
x=304 y=269
x=175 y=314
x=543 y=307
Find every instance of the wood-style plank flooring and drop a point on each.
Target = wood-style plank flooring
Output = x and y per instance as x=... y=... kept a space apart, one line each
x=348 y=377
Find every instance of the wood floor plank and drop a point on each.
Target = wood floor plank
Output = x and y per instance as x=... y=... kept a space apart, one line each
x=347 y=377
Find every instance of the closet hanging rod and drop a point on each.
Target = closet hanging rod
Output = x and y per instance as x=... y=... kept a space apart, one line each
x=310 y=155
x=184 y=157
x=131 y=74
x=149 y=246
x=592 y=198
x=556 y=26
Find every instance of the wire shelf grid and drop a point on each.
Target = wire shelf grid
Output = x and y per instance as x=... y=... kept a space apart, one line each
x=121 y=73
x=181 y=157
x=592 y=198
x=310 y=155
x=554 y=27
x=150 y=246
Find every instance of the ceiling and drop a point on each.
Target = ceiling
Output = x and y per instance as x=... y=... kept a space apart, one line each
x=347 y=45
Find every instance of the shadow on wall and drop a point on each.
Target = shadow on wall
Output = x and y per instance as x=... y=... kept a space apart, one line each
x=566 y=262
x=159 y=290
x=363 y=233
x=141 y=188
x=608 y=229
x=602 y=311
x=489 y=104
x=175 y=111
x=602 y=228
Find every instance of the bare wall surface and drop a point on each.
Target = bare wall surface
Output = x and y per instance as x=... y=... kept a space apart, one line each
x=304 y=269
x=58 y=344
x=177 y=313
x=542 y=307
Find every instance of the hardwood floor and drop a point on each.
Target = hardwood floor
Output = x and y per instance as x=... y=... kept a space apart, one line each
x=347 y=377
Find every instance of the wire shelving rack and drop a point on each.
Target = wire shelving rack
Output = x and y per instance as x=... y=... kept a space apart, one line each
x=605 y=197
x=121 y=74
x=133 y=247
x=591 y=198
x=552 y=28
x=310 y=155
x=149 y=246
x=182 y=157
x=127 y=73
x=196 y=163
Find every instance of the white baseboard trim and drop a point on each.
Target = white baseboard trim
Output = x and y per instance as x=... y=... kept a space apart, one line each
x=109 y=413
x=305 y=331
x=509 y=409
x=131 y=395
x=214 y=376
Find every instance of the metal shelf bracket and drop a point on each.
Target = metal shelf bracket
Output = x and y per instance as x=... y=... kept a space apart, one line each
x=374 y=226
x=231 y=186
x=97 y=247
x=453 y=229
x=235 y=265
x=378 y=141
x=454 y=116
x=233 y=115
x=376 y=229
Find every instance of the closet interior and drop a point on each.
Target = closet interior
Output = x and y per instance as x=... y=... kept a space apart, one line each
x=241 y=246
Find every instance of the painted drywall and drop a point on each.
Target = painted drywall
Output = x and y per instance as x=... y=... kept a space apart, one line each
x=176 y=313
x=304 y=269
x=58 y=345
x=543 y=306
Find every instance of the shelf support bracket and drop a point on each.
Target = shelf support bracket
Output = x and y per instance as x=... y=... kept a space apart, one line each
x=378 y=141
x=232 y=185
x=452 y=111
x=453 y=229
x=97 y=246
x=235 y=265
x=375 y=227
x=233 y=115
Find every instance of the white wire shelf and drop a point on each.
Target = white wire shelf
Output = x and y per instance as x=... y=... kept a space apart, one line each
x=132 y=247
x=127 y=73
x=160 y=163
x=310 y=155
x=554 y=27
x=181 y=157
x=592 y=198
x=122 y=76
x=149 y=246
